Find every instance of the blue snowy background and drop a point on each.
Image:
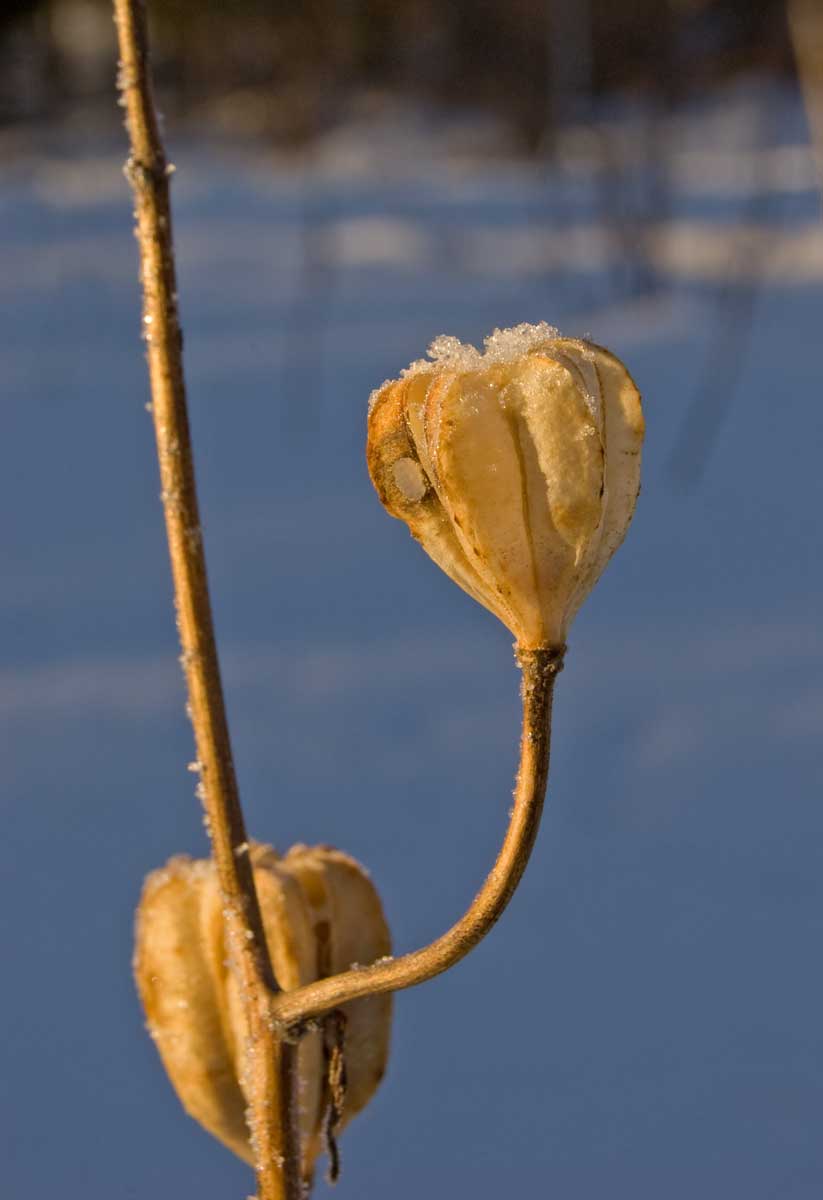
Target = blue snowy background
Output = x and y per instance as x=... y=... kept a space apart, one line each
x=645 y=1022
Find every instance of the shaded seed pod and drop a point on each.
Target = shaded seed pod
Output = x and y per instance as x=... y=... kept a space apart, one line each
x=517 y=469
x=321 y=914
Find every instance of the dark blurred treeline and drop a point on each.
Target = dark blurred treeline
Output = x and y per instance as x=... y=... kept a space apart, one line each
x=286 y=69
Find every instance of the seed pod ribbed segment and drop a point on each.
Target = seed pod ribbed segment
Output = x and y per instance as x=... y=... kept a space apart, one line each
x=321 y=915
x=517 y=469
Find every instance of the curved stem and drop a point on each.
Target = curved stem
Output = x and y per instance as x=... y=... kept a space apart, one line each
x=271 y=1074
x=540 y=668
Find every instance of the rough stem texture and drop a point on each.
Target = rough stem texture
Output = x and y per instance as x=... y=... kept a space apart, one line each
x=540 y=668
x=270 y=1081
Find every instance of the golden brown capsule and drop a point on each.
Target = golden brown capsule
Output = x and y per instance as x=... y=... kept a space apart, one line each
x=321 y=915
x=517 y=469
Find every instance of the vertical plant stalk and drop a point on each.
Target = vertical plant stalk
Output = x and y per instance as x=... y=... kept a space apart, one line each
x=540 y=669
x=270 y=1078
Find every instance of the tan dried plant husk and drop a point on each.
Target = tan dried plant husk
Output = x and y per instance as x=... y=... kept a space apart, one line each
x=517 y=470
x=321 y=915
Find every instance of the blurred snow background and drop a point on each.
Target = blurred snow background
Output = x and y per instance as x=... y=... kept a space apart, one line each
x=645 y=1020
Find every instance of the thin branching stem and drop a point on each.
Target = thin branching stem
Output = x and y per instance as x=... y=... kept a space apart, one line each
x=270 y=1070
x=540 y=668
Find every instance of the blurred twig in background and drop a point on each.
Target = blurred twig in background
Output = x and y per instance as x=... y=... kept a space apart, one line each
x=806 y=24
x=735 y=304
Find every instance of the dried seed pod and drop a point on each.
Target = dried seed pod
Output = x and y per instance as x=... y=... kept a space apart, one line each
x=517 y=470
x=321 y=915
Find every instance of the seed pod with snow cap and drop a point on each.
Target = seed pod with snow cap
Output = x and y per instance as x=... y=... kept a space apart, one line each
x=517 y=469
x=321 y=914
